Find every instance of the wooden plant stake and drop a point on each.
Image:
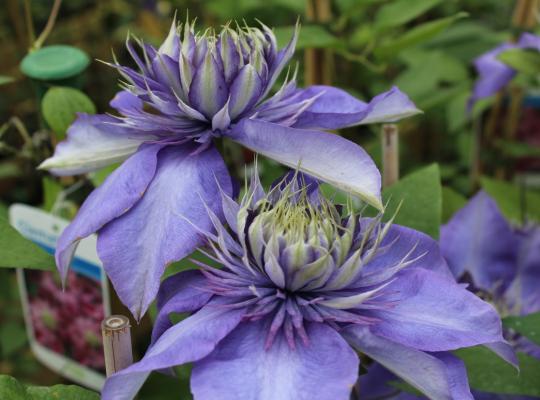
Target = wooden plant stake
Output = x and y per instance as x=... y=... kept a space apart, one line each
x=390 y=153
x=116 y=332
x=319 y=65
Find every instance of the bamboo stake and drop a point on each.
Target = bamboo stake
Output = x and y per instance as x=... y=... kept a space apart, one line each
x=318 y=62
x=390 y=153
x=116 y=332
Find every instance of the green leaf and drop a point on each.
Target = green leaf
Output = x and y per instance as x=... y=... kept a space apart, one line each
x=12 y=338
x=421 y=200
x=402 y=11
x=9 y=169
x=4 y=80
x=99 y=176
x=418 y=34
x=452 y=201
x=527 y=325
x=61 y=392
x=18 y=252
x=60 y=106
x=525 y=61
x=489 y=373
x=514 y=202
x=517 y=149
x=435 y=68
x=311 y=36
x=12 y=389
x=51 y=190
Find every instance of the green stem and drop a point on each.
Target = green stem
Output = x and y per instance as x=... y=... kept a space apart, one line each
x=49 y=26
x=29 y=23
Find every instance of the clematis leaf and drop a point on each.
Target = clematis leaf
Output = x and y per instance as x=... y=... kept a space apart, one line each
x=514 y=202
x=18 y=252
x=60 y=106
x=527 y=325
x=421 y=200
x=489 y=373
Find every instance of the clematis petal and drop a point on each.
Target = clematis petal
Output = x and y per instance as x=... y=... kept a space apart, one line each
x=425 y=320
x=126 y=102
x=281 y=60
x=335 y=108
x=439 y=376
x=523 y=294
x=188 y=341
x=493 y=74
x=399 y=246
x=208 y=91
x=241 y=369
x=245 y=90
x=92 y=143
x=180 y=293
x=478 y=240
x=117 y=195
x=136 y=248
x=323 y=155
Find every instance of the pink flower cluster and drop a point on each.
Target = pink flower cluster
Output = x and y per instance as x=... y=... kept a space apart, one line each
x=68 y=321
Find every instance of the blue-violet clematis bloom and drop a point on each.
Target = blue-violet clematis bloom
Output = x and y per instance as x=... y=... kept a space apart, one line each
x=303 y=285
x=499 y=263
x=193 y=89
x=494 y=75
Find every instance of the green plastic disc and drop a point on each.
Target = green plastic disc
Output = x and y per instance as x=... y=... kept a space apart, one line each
x=54 y=63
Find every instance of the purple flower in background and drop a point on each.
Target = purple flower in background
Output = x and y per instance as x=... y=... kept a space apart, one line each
x=493 y=73
x=501 y=263
x=303 y=285
x=498 y=262
x=193 y=89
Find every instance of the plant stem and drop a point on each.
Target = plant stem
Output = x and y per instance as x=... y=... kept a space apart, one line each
x=29 y=23
x=49 y=26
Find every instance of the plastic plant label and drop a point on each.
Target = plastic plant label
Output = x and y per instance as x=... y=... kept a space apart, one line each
x=63 y=326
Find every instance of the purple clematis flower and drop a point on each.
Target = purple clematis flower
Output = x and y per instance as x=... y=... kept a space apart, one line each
x=193 y=89
x=501 y=263
x=493 y=73
x=303 y=285
x=498 y=262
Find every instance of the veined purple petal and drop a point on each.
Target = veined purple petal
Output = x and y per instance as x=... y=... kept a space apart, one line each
x=478 y=240
x=323 y=155
x=92 y=143
x=117 y=195
x=281 y=60
x=229 y=52
x=505 y=351
x=208 y=92
x=171 y=46
x=180 y=293
x=523 y=294
x=439 y=376
x=493 y=74
x=335 y=108
x=126 y=102
x=402 y=244
x=245 y=90
x=425 y=320
x=136 y=248
x=188 y=341
x=241 y=369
